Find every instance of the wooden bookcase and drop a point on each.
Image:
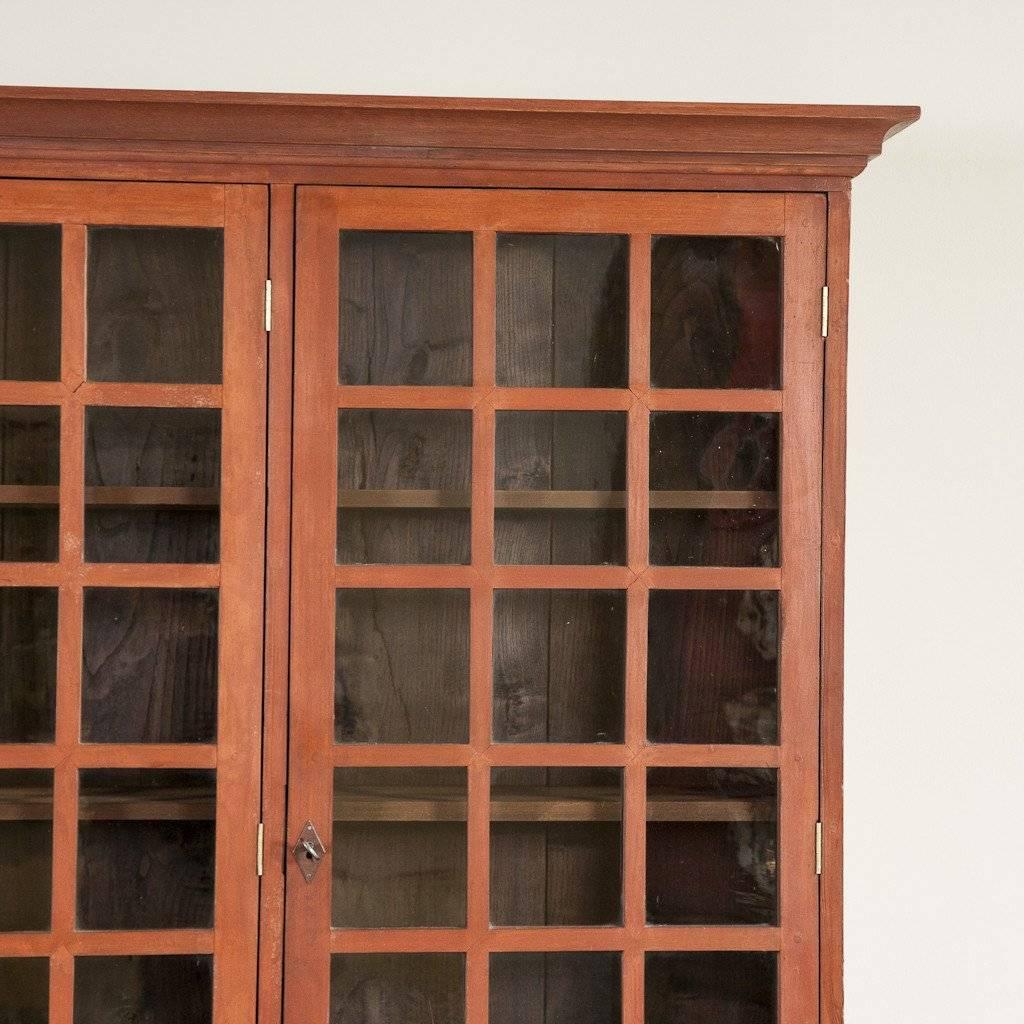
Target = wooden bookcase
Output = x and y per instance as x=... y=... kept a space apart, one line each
x=454 y=487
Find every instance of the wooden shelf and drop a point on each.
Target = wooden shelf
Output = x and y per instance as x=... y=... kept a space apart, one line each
x=542 y=804
x=35 y=804
x=37 y=496
x=41 y=496
x=381 y=804
x=554 y=500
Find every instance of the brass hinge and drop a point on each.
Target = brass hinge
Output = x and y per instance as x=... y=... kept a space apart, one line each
x=824 y=310
x=817 y=847
x=259 y=850
x=266 y=307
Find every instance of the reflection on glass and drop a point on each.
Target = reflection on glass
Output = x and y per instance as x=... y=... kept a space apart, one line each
x=30 y=301
x=556 y=846
x=562 y=312
x=398 y=988
x=716 y=318
x=570 y=988
x=714 y=488
x=559 y=665
x=713 y=666
x=29 y=482
x=404 y=485
x=402 y=666
x=399 y=849
x=26 y=849
x=149 y=665
x=155 y=304
x=152 y=480
x=406 y=307
x=710 y=988
x=28 y=664
x=560 y=479
x=712 y=846
x=24 y=990
x=146 y=848
x=143 y=990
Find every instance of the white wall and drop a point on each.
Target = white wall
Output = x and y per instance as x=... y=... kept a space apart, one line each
x=935 y=894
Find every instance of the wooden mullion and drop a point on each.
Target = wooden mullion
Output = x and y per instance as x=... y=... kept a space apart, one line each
x=720 y=755
x=563 y=399
x=153 y=574
x=400 y=940
x=434 y=577
x=164 y=396
x=478 y=817
x=69 y=620
x=712 y=578
x=145 y=755
x=18 y=392
x=563 y=577
x=713 y=400
x=362 y=396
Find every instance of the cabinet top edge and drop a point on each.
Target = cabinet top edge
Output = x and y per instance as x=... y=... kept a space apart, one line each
x=718 y=139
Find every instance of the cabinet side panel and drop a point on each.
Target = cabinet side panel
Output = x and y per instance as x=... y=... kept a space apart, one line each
x=832 y=569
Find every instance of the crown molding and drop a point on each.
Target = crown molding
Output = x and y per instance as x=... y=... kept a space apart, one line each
x=274 y=136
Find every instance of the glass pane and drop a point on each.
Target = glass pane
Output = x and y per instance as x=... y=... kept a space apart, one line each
x=713 y=666
x=712 y=846
x=149 y=665
x=716 y=312
x=24 y=990
x=556 y=846
x=155 y=304
x=29 y=481
x=28 y=664
x=560 y=479
x=399 y=851
x=398 y=988
x=710 y=988
x=152 y=480
x=404 y=485
x=402 y=666
x=560 y=988
x=143 y=990
x=26 y=849
x=714 y=488
x=406 y=307
x=562 y=310
x=146 y=848
x=30 y=301
x=559 y=665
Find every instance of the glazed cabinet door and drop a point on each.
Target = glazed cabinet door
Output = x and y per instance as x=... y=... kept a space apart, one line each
x=132 y=452
x=555 y=685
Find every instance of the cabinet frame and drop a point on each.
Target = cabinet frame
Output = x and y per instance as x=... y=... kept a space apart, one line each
x=283 y=141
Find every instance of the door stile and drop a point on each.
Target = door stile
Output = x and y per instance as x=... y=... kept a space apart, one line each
x=277 y=605
x=311 y=738
x=803 y=362
x=240 y=668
